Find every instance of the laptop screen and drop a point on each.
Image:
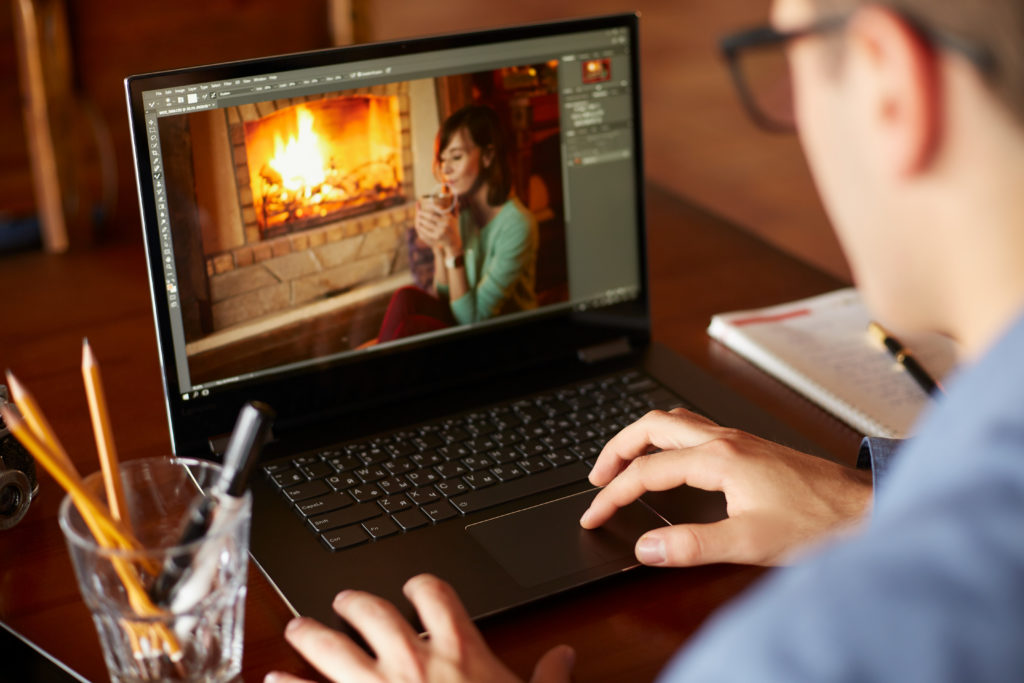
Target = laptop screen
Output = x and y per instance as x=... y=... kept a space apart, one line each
x=313 y=210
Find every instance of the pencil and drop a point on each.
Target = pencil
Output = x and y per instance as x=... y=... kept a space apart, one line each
x=102 y=432
x=102 y=527
x=30 y=410
x=903 y=356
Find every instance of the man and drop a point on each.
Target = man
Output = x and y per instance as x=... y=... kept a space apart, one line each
x=912 y=117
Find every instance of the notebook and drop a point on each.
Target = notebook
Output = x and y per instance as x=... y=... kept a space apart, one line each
x=277 y=198
x=820 y=346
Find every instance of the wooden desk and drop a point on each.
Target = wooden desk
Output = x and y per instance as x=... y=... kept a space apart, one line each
x=623 y=629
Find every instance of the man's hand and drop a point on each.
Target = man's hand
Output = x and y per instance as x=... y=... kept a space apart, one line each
x=778 y=499
x=453 y=651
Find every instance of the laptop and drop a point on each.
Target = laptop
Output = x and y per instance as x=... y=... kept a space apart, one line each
x=278 y=199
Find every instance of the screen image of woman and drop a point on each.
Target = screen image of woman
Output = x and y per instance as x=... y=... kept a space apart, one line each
x=484 y=240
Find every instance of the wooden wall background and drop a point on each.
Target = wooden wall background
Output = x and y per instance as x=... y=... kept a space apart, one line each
x=698 y=142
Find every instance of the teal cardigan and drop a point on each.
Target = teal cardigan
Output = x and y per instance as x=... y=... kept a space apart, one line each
x=501 y=265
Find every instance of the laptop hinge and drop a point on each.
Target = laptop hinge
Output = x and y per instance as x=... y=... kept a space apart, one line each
x=602 y=352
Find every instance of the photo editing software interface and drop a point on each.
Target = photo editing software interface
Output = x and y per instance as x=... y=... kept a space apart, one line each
x=286 y=201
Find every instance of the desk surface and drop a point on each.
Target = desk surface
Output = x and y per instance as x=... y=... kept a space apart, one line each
x=624 y=628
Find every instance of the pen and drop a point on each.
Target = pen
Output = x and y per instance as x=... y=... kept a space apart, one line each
x=904 y=358
x=247 y=438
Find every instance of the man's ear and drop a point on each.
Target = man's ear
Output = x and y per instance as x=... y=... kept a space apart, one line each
x=899 y=82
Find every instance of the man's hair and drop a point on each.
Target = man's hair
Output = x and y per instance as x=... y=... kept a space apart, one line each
x=484 y=129
x=994 y=25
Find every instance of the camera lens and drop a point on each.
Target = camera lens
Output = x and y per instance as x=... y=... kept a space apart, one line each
x=15 y=495
x=10 y=497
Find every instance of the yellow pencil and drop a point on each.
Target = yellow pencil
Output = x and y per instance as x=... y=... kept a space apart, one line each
x=102 y=432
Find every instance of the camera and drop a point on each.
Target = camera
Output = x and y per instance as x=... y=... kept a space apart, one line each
x=18 y=483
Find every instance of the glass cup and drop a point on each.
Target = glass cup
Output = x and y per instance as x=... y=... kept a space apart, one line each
x=197 y=634
x=441 y=198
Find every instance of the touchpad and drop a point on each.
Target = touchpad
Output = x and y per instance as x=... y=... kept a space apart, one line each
x=546 y=542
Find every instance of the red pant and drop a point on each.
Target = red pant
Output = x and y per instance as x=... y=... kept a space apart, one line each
x=413 y=311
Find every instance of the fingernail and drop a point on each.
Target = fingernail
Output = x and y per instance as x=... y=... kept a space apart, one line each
x=587 y=517
x=570 y=657
x=271 y=677
x=651 y=550
x=293 y=624
x=341 y=596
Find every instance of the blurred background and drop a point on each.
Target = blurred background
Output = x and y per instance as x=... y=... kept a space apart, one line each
x=66 y=175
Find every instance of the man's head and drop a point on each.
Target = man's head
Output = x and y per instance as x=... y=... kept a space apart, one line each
x=912 y=145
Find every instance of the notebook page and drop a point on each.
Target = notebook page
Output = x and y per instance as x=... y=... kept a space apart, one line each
x=821 y=348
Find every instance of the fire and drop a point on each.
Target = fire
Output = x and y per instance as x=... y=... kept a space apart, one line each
x=299 y=161
x=332 y=157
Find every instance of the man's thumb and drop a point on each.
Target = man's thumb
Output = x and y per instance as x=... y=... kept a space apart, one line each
x=685 y=545
x=555 y=666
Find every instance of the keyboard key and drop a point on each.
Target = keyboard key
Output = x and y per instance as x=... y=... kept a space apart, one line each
x=454 y=435
x=534 y=465
x=344 y=463
x=401 y=449
x=480 y=480
x=427 y=459
x=392 y=504
x=317 y=469
x=410 y=519
x=277 y=467
x=562 y=457
x=344 y=538
x=504 y=456
x=379 y=527
x=481 y=444
x=365 y=492
x=399 y=466
x=321 y=504
x=340 y=482
x=451 y=469
x=519 y=488
x=439 y=510
x=532 y=449
x=288 y=477
x=374 y=455
x=476 y=462
x=426 y=441
x=507 y=472
x=454 y=451
x=394 y=485
x=423 y=477
x=423 y=496
x=343 y=517
x=371 y=474
x=452 y=487
x=306 y=490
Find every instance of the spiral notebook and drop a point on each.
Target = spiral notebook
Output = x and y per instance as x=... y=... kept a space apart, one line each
x=820 y=347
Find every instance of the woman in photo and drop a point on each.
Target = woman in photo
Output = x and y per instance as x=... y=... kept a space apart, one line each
x=484 y=243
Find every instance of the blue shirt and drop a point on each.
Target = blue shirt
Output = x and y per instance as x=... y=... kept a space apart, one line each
x=932 y=589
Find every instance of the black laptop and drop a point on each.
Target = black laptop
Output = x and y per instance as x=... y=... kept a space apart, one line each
x=278 y=197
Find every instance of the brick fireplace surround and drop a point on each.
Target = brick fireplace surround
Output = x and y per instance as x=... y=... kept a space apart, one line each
x=258 y=277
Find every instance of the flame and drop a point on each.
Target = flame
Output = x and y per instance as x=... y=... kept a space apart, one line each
x=299 y=161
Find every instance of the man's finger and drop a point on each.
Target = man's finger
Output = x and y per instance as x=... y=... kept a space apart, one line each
x=332 y=653
x=555 y=666
x=443 y=616
x=655 y=472
x=385 y=630
x=658 y=429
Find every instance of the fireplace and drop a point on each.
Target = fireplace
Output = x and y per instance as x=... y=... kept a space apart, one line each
x=320 y=161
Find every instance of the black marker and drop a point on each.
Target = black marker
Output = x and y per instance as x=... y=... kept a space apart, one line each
x=247 y=438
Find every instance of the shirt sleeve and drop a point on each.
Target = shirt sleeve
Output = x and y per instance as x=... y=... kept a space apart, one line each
x=505 y=263
x=877 y=454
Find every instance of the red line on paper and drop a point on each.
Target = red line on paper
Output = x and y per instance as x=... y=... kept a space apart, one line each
x=771 y=318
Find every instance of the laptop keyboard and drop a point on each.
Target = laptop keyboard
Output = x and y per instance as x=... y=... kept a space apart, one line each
x=400 y=481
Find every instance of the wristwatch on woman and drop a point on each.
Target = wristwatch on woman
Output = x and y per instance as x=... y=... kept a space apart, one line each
x=454 y=261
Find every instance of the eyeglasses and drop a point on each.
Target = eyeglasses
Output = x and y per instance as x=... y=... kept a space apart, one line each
x=760 y=68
